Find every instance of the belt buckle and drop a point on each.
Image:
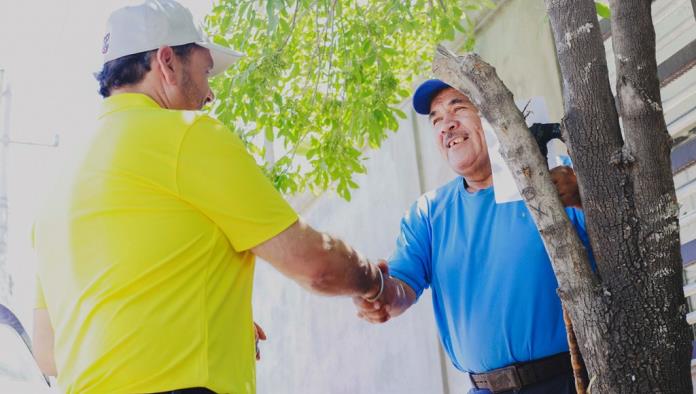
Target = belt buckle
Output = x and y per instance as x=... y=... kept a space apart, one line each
x=505 y=379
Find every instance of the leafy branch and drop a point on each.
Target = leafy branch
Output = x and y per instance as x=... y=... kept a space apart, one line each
x=359 y=58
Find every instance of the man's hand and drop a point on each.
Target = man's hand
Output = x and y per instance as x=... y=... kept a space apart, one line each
x=567 y=186
x=378 y=311
x=395 y=299
x=43 y=342
x=260 y=335
x=375 y=312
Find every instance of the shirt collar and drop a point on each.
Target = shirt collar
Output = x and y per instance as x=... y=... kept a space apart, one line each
x=123 y=101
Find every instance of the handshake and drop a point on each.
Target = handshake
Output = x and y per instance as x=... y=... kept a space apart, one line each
x=393 y=298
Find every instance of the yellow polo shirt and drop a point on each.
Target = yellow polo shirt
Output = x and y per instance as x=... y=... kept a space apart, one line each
x=144 y=261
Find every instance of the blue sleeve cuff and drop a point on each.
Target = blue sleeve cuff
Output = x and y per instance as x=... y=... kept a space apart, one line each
x=418 y=289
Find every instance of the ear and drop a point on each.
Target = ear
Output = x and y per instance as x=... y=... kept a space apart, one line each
x=165 y=62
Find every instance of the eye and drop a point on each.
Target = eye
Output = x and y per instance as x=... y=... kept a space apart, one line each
x=458 y=109
x=436 y=121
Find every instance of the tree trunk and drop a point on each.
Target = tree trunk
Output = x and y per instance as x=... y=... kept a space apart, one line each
x=628 y=196
x=629 y=315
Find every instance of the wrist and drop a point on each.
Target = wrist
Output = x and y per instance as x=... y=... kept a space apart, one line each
x=375 y=295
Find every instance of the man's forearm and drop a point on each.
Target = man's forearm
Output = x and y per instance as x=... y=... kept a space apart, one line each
x=320 y=262
x=344 y=271
x=403 y=298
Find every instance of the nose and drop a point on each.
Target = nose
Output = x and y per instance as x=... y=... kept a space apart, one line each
x=449 y=124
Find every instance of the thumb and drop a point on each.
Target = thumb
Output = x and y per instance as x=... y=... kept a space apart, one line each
x=384 y=267
x=259 y=332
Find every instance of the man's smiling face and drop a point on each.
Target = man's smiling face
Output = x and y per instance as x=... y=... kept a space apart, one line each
x=458 y=133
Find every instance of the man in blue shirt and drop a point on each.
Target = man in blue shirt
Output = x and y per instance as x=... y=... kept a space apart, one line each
x=493 y=288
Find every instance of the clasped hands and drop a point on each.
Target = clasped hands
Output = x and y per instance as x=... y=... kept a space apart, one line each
x=387 y=305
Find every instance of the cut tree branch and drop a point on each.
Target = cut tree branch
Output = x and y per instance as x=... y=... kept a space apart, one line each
x=478 y=80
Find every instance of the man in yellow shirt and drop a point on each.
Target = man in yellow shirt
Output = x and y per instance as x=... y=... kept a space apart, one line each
x=146 y=250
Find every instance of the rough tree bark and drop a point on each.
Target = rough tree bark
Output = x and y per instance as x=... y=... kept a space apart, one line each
x=629 y=316
x=628 y=196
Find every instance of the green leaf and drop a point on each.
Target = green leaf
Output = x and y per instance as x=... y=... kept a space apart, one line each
x=399 y=113
x=603 y=10
x=272 y=16
x=277 y=99
x=270 y=136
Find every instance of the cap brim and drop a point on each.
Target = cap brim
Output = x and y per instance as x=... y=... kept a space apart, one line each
x=425 y=93
x=223 y=57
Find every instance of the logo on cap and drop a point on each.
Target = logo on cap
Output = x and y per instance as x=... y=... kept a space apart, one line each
x=105 y=47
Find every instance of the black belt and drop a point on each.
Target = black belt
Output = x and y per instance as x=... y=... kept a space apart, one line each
x=517 y=376
x=194 y=390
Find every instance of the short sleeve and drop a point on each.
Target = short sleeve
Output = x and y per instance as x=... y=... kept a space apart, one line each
x=219 y=177
x=39 y=298
x=577 y=217
x=411 y=261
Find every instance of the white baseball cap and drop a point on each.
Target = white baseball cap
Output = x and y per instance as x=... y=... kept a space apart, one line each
x=156 y=23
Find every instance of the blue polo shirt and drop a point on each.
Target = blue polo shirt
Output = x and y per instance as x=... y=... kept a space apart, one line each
x=493 y=288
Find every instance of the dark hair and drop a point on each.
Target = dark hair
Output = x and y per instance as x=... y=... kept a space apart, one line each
x=131 y=69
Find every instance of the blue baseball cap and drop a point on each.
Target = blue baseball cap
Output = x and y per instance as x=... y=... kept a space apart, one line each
x=425 y=93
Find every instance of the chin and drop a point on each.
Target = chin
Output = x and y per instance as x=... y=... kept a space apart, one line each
x=459 y=166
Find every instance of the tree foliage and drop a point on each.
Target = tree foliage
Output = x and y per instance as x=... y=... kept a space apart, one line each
x=602 y=10
x=323 y=79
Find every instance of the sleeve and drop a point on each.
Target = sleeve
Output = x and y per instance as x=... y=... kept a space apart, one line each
x=219 y=177
x=39 y=298
x=411 y=261
x=578 y=218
